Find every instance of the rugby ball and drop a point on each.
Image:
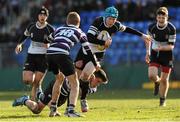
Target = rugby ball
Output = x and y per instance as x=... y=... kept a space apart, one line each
x=103 y=35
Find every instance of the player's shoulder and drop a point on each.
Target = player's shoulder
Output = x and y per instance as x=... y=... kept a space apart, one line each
x=152 y=25
x=98 y=20
x=117 y=23
x=81 y=32
x=31 y=25
x=171 y=26
x=50 y=26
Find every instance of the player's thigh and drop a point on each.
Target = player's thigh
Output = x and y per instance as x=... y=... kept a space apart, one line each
x=87 y=71
x=152 y=71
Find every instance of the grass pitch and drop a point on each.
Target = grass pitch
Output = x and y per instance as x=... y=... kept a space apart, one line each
x=121 y=105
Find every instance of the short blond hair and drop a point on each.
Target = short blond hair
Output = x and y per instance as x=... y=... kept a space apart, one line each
x=162 y=10
x=73 y=18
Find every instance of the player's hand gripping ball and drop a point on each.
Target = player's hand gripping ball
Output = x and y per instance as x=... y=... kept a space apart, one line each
x=104 y=36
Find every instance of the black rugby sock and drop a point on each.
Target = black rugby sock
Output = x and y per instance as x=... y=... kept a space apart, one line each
x=84 y=85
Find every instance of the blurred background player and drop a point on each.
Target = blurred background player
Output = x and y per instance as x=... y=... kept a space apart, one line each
x=99 y=77
x=111 y=25
x=61 y=64
x=35 y=66
x=160 y=53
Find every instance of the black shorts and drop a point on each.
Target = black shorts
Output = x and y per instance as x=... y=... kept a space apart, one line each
x=60 y=62
x=46 y=98
x=164 y=59
x=35 y=62
x=82 y=59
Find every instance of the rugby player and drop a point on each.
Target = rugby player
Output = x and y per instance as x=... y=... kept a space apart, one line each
x=99 y=77
x=35 y=66
x=160 y=54
x=108 y=23
x=60 y=63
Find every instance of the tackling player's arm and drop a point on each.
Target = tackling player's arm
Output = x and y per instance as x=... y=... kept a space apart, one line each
x=85 y=45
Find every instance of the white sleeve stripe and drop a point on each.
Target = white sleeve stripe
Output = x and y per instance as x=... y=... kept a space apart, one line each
x=122 y=28
x=85 y=44
x=92 y=32
x=172 y=36
x=26 y=33
x=93 y=27
x=172 y=40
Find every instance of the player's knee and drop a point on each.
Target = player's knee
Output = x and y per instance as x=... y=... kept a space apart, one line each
x=164 y=80
x=27 y=81
x=152 y=77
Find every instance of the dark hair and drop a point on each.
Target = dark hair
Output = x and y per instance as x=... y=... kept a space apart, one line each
x=73 y=18
x=101 y=74
x=44 y=10
x=162 y=10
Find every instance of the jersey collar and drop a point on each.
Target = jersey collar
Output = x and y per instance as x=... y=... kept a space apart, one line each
x=40 y=26
x=159 y=28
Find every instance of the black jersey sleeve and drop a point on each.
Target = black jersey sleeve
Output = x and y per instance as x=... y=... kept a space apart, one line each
x=93 y=32
x=85 y=44
x=133 y=31
x=26 y=33
x=119 y=26
x=172 y=33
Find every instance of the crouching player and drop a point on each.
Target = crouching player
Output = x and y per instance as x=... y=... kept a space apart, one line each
x=99 y=77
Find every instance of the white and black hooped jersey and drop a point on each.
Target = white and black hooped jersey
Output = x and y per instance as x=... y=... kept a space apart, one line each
x=97 y=26
x=38 y=37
